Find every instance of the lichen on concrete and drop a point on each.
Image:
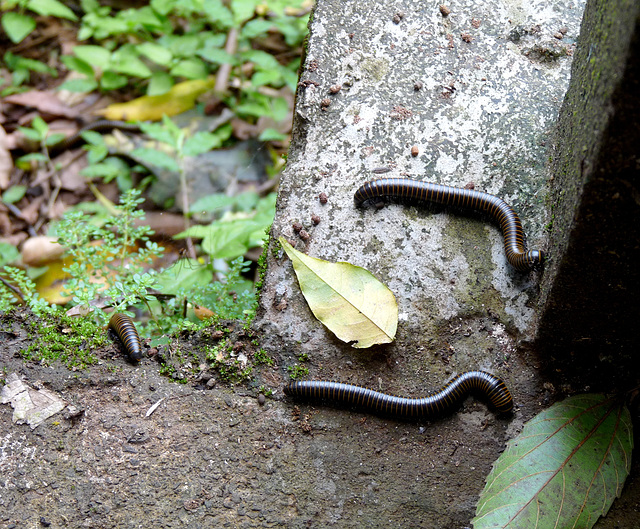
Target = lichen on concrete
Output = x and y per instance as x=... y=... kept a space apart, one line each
x=478 y=107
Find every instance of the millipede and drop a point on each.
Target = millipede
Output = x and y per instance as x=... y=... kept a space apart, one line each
x=416 y=192
x=124 y=327
x=436 y=404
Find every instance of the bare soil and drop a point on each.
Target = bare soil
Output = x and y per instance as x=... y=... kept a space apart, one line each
x=211 y=455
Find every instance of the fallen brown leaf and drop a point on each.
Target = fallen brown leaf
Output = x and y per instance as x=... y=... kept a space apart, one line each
x=43 y=101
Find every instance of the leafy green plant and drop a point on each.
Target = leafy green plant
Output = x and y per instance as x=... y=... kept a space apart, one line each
x=564 y=469
x=102 y=165
x=21 y=68
x=241 y=224
x=261 y=357
x=150 y=44
x=229 y=365
x=106 y=260
x=148 y=50
x=18 y=24
x=39 y=134
x=28 y=290
x=297 y=371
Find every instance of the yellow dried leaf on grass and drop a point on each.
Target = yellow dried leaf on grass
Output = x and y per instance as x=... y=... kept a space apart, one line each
x=179 y=99
x=51 y=285
x=346 y=298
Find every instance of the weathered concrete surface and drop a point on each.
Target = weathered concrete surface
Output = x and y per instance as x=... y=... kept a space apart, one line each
x=478 y=92
x=590 y=292
x=216 y=458
x=491 y=79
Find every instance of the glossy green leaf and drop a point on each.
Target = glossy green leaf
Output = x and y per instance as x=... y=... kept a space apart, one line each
x=79 y=65
x=97 y=56
x=51 y=8
x=125 y=60
x=564 y=469
x=8 y=253
x=200 y=143
x=214 y=202
x=347 y=299
x=13 y=194
x=113 y=81
x=185 y=275
x=154 y=52
x=155 y=158
x=159 y=83
x=17 y=26
x=79 y=85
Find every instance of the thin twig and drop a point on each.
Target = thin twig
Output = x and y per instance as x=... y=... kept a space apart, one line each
x=224 y=72
x=15 y=290
x=17 y=213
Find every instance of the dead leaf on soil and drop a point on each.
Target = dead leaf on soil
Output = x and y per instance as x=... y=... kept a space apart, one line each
x=43 y=101
x=31 y=406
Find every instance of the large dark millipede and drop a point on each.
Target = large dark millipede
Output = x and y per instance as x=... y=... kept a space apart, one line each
x=436 y=404
x=414 y=191
x=128 y=334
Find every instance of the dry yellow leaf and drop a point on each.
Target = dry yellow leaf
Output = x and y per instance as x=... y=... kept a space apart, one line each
x=179 y=99
x=346 y=298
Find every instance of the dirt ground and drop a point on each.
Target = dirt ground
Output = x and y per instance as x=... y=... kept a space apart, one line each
x=216 y=457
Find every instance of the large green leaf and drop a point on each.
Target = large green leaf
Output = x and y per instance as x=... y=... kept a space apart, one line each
x=564 y=469
x=348 y=299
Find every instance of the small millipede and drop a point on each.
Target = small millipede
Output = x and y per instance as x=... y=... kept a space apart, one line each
x=414 y=191
x=123 y=326
x=436 y=404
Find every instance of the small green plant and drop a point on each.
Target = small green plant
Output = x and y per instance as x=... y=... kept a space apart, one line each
x=240 y=223
x=261 y=357
x=21 y=68
x=170 y=39
x=267 y=392
x=233 y=297
x=106 y=260
x=38 y=133
x=102 y=165
x=229 y=365
x=28 y=292
x=167 y=370
x=17 y=25
x=297 y=371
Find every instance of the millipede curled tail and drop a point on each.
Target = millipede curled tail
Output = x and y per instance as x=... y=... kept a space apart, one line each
x=415 y=191
x=436 y=404
x=123 y=326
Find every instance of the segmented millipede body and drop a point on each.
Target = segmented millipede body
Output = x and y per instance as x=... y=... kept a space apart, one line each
x=436 y=404
x=123 y=326
x=414 y=191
